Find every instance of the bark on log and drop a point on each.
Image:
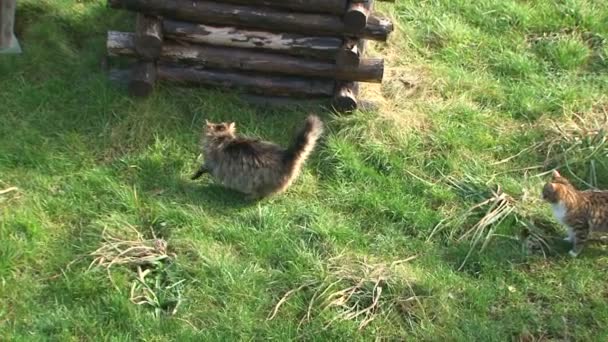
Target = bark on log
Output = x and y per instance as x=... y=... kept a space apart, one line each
x=7 y=22
x=356 y=15
x=120 y=43
x=148 y=37
x=269 y=19
x=351 y=52
x=377 y=28
x=287 y=102
x=336 y=7
x=292 y=44
x=248 y=82
x=370 y=70
x=345 y=97
x=143 y=78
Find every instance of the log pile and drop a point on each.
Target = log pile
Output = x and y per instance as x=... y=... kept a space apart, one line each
x=275 y=48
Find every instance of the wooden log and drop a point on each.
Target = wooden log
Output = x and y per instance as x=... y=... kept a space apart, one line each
x=8 y=42
x=248 y=82
x=292 y=44
x=351 y=52
x=345 y=97
x=356 y=15
x=143 y=78
x=336 y=7
x=148 y=37
x=370 y=70
x=120 y=43
x=286 y=102
x=213 y=13
x=377 y=28
x=7 y=22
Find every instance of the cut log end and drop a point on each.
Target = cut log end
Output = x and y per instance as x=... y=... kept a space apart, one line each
x=345 y=97
x=355 y=20
x=143 y=78
x=357 y=15
x=377 y=28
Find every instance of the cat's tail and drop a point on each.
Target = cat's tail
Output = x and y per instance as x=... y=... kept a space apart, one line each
x=301 y=147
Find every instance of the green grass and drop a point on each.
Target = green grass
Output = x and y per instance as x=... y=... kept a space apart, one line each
x=478 y=95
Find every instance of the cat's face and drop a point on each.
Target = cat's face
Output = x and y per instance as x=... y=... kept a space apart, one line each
x=555 y=189
x=227 y=129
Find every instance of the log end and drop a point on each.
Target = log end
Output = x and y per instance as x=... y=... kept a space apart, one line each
x=355 y=21
x=143 y=79
x=345 y=97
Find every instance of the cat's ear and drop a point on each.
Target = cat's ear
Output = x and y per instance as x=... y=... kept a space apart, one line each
x=231 y=126
x=556 y=174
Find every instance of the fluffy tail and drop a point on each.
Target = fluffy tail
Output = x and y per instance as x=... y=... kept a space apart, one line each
x=302 y=146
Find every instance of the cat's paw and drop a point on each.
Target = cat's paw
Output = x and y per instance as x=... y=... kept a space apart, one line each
x=573 y=253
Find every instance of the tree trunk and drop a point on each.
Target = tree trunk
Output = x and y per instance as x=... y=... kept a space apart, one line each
x=7 y=23
x=270 y=19
x=143 y=78
x=292 y=44
x=356 y=15
x=336 y=7
x=345 y=97
x=248 y=82
x=370 y=70
x=148 y=37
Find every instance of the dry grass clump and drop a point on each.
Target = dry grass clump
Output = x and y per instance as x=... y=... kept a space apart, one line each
x=154 y=283
x=358 y=290
x=493 y=207
x=135 y=252
x=579 y=141
x=8 y=194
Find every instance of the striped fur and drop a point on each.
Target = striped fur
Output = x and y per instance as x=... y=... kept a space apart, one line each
x=252 y=166
x=582 y=212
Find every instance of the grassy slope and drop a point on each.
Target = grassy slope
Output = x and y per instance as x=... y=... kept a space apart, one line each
x=469 y=83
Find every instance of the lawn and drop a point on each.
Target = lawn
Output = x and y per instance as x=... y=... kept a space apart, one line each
x=416 y=219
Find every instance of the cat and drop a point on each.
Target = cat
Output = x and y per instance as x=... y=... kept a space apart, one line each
x=582 y=212
x=251 y=166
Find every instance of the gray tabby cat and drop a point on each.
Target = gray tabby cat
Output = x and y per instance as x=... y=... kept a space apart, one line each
x=252 y=166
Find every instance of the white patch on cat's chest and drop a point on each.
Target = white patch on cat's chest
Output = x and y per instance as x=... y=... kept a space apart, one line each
x=559 y=210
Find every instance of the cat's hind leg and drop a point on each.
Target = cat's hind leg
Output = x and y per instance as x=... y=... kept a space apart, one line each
x=580 y=239
x=201 y=171
x=570 y=236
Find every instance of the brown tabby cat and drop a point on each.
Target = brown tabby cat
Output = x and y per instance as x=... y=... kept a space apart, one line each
x=251 y=166
x=582 y=212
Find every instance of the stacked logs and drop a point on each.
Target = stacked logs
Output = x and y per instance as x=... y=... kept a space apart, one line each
x=285 y=48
